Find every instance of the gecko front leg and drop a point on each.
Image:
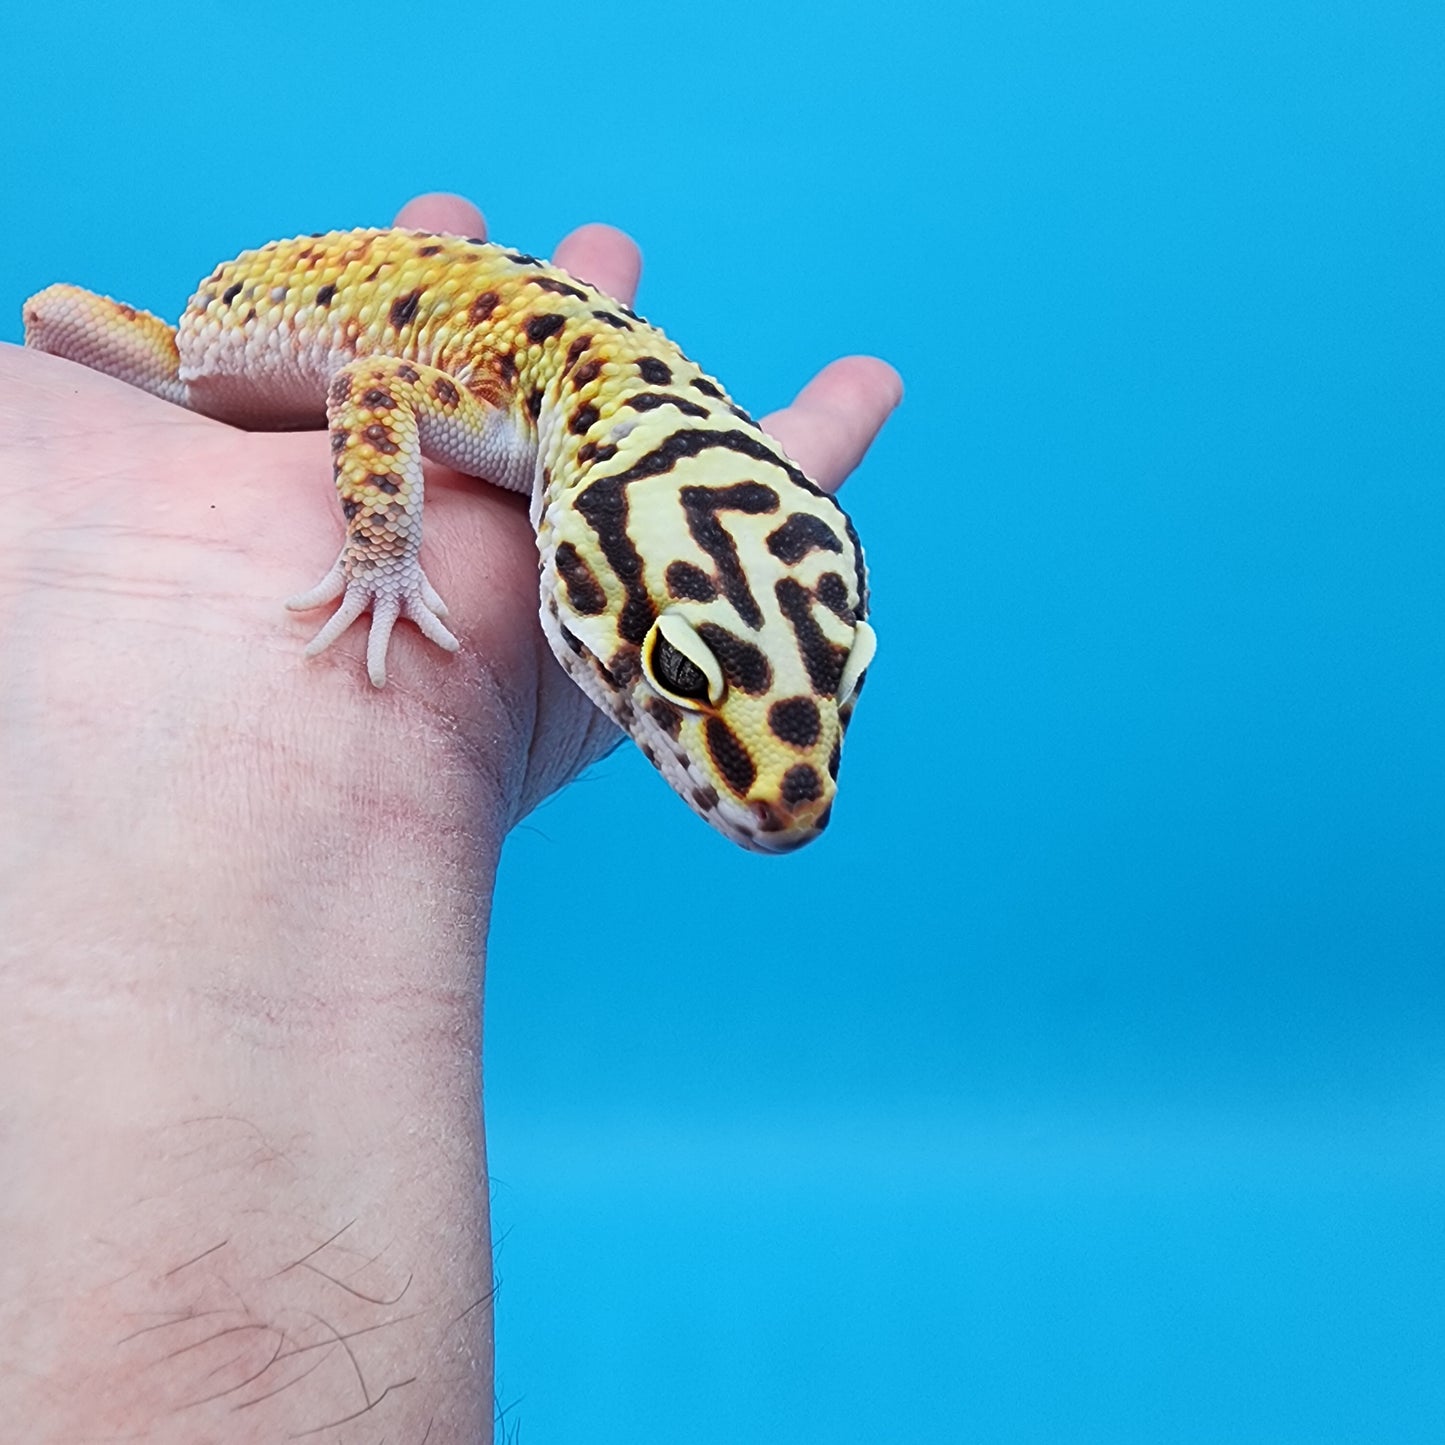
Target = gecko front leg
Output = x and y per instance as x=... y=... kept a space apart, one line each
x=383 y=413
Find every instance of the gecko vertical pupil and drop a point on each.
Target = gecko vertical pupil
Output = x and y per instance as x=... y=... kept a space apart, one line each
x=676 y=672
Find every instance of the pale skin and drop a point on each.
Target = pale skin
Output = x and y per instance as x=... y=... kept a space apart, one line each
x=243 y=909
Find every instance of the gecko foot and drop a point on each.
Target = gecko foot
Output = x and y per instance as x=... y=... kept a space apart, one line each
x=387 y=592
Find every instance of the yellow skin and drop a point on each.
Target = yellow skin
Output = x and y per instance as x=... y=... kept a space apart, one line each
x=694 y=583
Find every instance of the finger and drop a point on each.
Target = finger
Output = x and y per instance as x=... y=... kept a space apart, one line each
x=442 y=211
x=836 y=416
x=603 y=257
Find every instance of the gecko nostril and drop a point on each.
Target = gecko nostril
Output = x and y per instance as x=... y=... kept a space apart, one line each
x=769 y=817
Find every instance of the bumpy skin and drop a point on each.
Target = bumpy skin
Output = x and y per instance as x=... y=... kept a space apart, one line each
x=694 y=583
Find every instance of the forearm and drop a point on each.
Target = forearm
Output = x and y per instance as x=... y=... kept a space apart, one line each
x=244 y=1171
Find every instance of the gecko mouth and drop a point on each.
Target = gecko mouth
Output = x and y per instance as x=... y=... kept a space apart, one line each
x=763 y=826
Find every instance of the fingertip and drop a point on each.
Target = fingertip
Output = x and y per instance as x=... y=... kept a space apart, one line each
x=864 y=381
x=604 y=257
x=443 y=211
x=835 y=418
x=886 y=378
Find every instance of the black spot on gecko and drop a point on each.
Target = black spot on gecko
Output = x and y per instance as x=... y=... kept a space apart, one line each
x=539 y=328
x=559 y=288
x=625 y=667
x=667 y=717
x=534 y=403
x=349 y=507
x=407 y=372
x=603 y=506
x=705 y=797
x=378 y=400
x=385 y=482
x=445 y=392
x=741 y=415
x=654 y=372
x=507 y=365
x=591 y=452
x=476 y=240
x=340 y=389
x=574 y=353
x=702 y=505
x=583 y=420
x=613 y=320
x=687 y=442
x=744 y=665
x=584 y=591
x=832 y=592
x=833 y=761
x=702 y=384
x=823 y=659
x=339 y=437
x=326 y=295
x=482 y=307
x=251 y=314
x=801 y=784
x=796 y=721
x=800 y=534
x=587 y=372
x=689 y=583
x=651 y=400
x=428 y=250
x=403 y=309
x=230 y=293
x=521 y=258
x=574 y=643
x=730 y=756
x=860 y=572
x=381 y=438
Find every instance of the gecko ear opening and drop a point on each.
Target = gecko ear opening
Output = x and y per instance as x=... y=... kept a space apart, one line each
x=865 y=644
x=680 y=665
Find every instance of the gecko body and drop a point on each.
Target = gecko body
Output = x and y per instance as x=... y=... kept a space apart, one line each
x=697 y=586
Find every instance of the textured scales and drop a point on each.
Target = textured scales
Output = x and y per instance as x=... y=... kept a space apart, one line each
x=694 y=583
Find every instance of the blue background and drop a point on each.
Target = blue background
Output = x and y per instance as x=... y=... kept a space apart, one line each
x=1085 y=1083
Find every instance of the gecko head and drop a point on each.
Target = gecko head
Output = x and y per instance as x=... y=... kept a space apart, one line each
x=723 y=626
x=747 y=733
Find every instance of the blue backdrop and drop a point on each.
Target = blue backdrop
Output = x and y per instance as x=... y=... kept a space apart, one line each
x=1085 y=1083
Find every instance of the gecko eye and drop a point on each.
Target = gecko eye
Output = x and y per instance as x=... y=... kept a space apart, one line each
x=676 y=673
x=680 y=664
x=865 y=644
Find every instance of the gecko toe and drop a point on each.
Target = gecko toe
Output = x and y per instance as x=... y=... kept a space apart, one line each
x=328 y=589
